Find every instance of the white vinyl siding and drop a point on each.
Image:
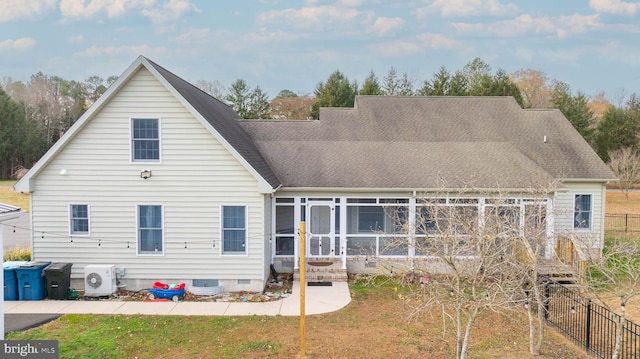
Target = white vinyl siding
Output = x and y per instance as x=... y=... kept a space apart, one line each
x=564 y=213
x=196 y=177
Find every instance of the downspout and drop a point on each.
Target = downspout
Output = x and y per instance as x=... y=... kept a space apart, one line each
x=603 y=216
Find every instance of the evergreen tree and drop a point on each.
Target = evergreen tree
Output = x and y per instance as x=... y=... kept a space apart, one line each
x=575 y=109
x=619 y=128
x=371 y=86
x=337 y=91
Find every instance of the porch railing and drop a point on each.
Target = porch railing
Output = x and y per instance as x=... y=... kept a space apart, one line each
x=571 y=255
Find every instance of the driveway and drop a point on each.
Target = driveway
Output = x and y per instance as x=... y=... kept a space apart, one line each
x=22 y=235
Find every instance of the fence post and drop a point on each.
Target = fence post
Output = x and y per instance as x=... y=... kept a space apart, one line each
x=587 y=341
x=626 y=222
x=547 y=294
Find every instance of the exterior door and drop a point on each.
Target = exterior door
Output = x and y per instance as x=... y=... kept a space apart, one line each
x=321 y=229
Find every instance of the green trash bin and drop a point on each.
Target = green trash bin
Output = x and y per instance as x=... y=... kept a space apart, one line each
x=58 y=280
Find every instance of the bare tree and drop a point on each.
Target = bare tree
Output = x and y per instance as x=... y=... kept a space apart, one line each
x=528 y=258
x=472 y=252
x=534 y=87
x=625 y=164
x=292 y=108
x=213 y=88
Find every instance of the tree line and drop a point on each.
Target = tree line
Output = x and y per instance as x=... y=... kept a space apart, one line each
x=36 y=113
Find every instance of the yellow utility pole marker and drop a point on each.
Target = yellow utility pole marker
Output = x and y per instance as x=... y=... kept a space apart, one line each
x=303 y=250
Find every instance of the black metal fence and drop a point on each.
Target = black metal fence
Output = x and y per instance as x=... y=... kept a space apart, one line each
x=622 y=222
x=589 y=324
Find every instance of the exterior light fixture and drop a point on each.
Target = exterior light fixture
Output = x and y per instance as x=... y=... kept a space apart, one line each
x=145 y=174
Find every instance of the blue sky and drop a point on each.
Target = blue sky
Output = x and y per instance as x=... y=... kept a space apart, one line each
x=593 y=45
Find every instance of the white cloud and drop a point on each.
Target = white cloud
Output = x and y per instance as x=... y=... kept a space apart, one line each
x=320 y=17
x=274 y=37
x=615 y=6
x=76 y=39
x=327 y=56
x=383 y=25
x=21 y=44
x=194 y=35
x=113 y=8
x=526 y=24
x=395 y=48
x=351 y=3
x=171 y=10
x=22 y=9
x=463 y=8
x=77 y=8
x=110 y=51
x=577 y=24
x=436 y=41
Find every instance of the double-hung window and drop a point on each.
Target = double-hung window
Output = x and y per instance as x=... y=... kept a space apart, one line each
x=234 y=229
x=145 y=140
x=582 y=211
x=150 y=238
x=79 y=219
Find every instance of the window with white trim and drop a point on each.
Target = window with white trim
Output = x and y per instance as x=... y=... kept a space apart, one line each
x=582 y=209
x=79 y=219
x=234 y=230
x=150 y=237
x=145 y=140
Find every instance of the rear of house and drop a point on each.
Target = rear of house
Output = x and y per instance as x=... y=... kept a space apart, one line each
x=167 y=184
x=141 y=183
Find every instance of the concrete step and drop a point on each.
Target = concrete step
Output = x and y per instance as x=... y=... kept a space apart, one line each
x=323 y=270
x=322 y=277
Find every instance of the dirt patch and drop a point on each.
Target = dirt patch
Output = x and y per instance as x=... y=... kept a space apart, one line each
x=272 y=292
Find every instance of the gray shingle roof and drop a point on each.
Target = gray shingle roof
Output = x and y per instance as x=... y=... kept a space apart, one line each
x=224 y=120
x=427 y=142
x=7 y=208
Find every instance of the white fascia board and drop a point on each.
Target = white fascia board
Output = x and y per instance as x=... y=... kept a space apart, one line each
x=25 y=184
x=410 y=190
x=588 y=180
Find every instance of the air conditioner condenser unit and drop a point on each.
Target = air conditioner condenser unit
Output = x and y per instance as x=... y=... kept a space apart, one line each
x=100 y=280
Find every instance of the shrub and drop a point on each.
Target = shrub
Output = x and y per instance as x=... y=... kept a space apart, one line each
x=17 y=254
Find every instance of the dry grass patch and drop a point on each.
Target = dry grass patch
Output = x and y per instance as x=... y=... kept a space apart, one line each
x=9 y=196
x=372 y=326
x=617 y=203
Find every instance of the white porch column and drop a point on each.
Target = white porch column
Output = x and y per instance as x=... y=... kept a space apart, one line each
x=551 y=242
x=343 y=231
x=412 y=227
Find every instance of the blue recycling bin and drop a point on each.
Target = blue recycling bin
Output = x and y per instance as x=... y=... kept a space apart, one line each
x=31 y=280
x=10 y=279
